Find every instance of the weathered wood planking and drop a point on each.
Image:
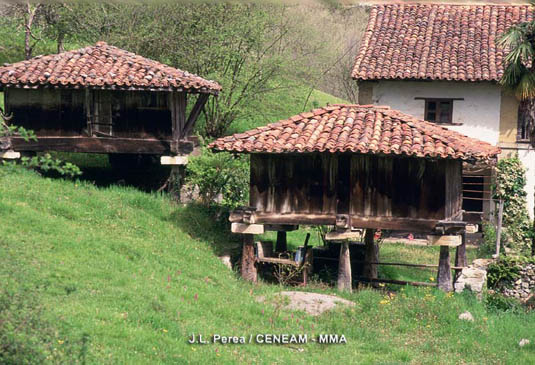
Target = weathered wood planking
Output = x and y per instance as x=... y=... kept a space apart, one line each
x=47 y=111
x=376 y=191
x=100 y=145
x=454 y=185
x=120 y=114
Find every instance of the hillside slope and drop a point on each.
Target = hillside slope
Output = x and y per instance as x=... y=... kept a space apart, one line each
x=138 y=275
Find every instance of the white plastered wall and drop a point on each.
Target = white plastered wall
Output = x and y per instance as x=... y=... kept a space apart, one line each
x=479 y=112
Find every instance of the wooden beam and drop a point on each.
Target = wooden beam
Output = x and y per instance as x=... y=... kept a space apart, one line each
x=248 y=261
x=444 y=281
x=390 y=263
x=9 y=155
x=194 y=114
x=345 y=235
x=280 y=227
x=88 y=106
x=174 y=160
x=392 y=223
x=399 y=282
x=101 y=145
x=178 y=118
x=371 y=254
x=344 y=269
x=247 y=228
x=308 y=263
x=275 y=260
x=460 y=257
x=437 y=240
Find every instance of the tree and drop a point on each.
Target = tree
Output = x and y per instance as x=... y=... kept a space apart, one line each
x=519 y=73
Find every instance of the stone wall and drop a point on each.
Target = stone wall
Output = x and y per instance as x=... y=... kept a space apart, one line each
x=524 y=285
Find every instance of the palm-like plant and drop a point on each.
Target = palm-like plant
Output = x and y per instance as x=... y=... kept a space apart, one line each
x=519 y=76
x=519 y=73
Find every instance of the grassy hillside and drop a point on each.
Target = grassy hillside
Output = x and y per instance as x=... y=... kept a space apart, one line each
x=291 y=99
x=137 y=275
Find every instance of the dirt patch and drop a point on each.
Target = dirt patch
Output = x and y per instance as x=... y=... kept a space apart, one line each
x=311 y=303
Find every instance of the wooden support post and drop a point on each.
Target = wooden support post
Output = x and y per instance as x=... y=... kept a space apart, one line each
x=444 y=270
x=371 y=255
x=248 y=263
x=344 y=268
x=308 y=262
x=282 y=245
x=460 y=256
x=194 y=114
x=178 y=119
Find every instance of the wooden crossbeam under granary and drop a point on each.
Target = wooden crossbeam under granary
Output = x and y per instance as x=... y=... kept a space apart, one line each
x=102 y=99
x=358 y=167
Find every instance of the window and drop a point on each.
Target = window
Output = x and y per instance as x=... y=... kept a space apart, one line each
x=522 y=127
x=439 y=110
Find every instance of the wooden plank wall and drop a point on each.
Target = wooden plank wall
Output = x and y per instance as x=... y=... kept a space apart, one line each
x=361 y=185
x=136 y=114
x=62 y=112
x=297 y=184
x=48 y=112
x=454 y=185
x=397 y=187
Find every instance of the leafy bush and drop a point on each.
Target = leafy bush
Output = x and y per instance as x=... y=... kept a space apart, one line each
x=510 y=183
x=44 y=162
x=220 y=177
x=488 y=246
x=47 y=163
x=500 y=303
x=506 y=270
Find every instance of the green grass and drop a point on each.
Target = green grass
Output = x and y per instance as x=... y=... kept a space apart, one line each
x=293 y=98
x=139 y=274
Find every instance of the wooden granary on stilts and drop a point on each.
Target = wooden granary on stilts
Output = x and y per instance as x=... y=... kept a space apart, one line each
x=102 y=99
x=356 y=167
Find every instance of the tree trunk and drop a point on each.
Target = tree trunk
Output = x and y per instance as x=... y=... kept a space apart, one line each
x=28 y=35
x=61 y=38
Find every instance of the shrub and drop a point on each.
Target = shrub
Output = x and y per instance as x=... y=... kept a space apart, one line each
x=502 y=272
x=488 y=246
x=500 y=303
x=220 y=177
x=510 y=183
x=44 y=162
x=506 y=270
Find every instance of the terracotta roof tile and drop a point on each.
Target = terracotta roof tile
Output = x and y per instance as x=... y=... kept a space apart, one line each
x=436 y=41
x=359 y=129
x=100 y=66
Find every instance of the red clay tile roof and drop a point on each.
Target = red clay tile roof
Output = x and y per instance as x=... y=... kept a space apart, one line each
x=436 y=41
x=102 y=66
x=360 y=129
